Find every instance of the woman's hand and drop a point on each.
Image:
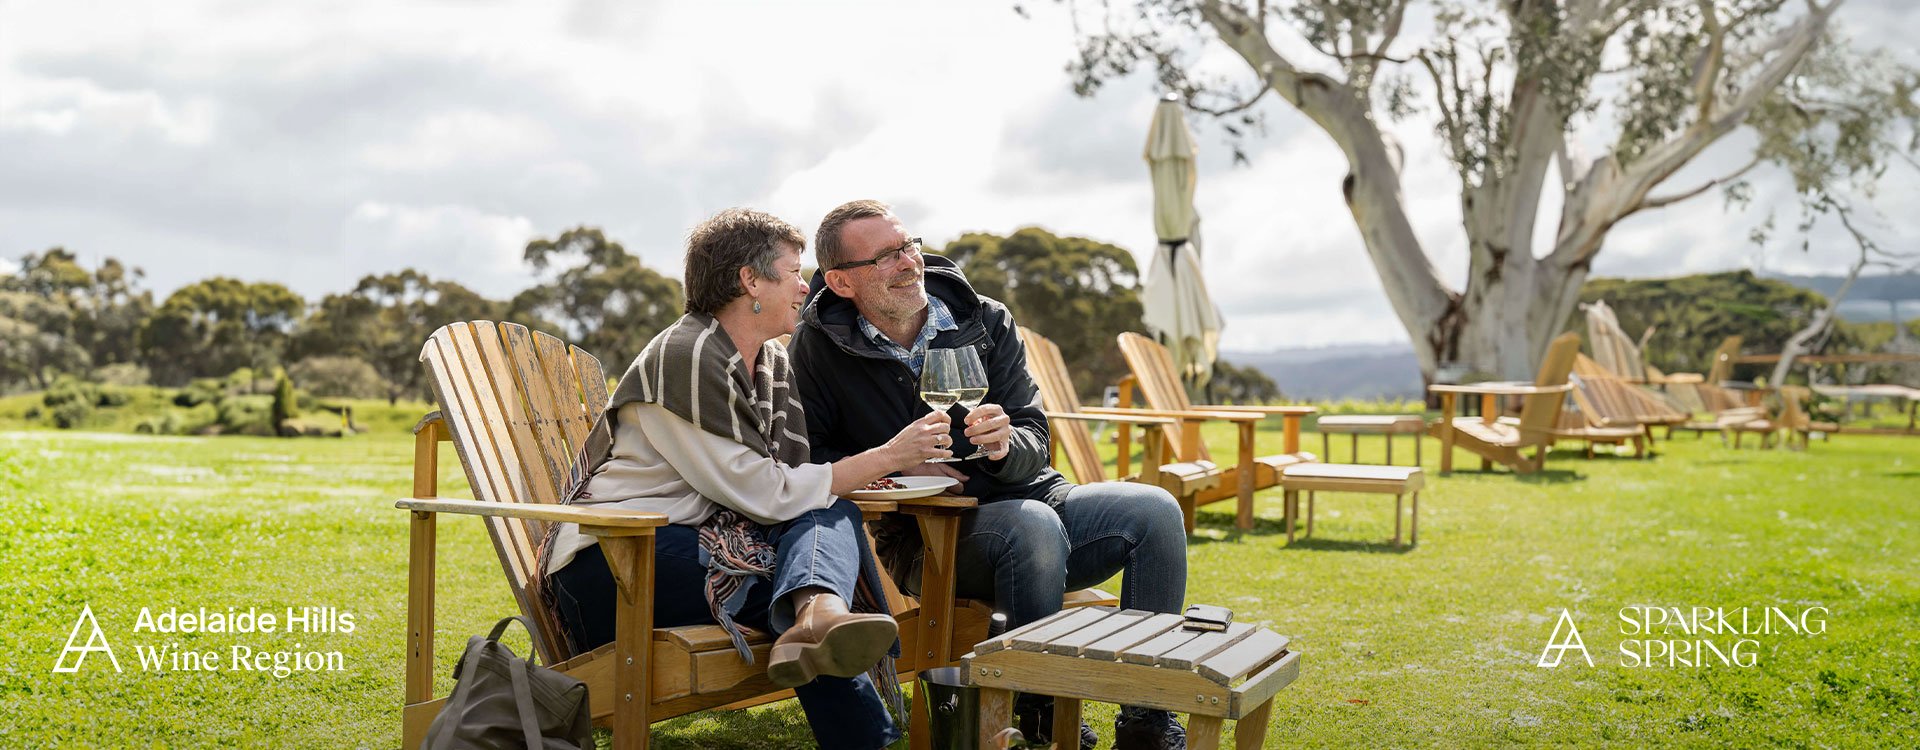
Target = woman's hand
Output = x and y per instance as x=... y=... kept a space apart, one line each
x=924 y=438
x=927 y=437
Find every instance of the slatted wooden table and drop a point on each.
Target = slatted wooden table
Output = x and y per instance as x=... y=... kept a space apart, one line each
x=1391 y=480
x=1135 y=658
x=1356 y=425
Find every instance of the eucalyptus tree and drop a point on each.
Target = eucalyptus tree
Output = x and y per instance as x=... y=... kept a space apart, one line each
x=1517 y=89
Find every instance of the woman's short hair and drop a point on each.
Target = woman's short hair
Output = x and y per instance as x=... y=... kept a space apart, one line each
x=720 y=246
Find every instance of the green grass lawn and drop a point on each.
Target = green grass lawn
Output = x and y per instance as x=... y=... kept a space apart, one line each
x=1430 y=646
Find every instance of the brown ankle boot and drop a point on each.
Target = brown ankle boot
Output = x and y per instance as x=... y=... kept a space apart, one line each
x=827 y=639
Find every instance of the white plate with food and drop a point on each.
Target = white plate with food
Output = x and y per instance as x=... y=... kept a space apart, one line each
x=903 y=488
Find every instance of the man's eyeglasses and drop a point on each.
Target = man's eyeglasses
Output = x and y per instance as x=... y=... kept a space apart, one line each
x=888 y=260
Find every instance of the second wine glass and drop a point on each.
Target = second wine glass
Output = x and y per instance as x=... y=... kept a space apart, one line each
x=973 y=384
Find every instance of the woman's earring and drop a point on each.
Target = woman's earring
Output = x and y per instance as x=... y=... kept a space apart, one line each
x=756 y=307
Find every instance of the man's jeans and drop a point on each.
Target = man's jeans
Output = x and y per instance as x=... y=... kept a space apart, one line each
x=821 y=548
x=1024 y=556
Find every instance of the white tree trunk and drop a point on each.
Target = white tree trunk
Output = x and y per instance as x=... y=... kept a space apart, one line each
x=1513 y=304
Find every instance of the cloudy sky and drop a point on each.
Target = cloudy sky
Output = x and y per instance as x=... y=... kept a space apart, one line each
x=314 y=143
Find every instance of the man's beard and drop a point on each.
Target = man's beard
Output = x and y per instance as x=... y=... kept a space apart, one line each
x=896 y=303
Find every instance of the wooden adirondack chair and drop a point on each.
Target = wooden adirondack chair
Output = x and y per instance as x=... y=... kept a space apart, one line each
x=1067 y=430
x=1506 y=441
x=1575 y=424
x=1153 y=375
x=514 y=403
x=1718 y=408
x=1791 y=418
x=1613 y=410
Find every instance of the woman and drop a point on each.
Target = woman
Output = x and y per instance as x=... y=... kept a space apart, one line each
x=705 y=428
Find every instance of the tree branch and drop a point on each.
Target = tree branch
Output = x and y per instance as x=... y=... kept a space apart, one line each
x=1235 y=109
x=1392 y=30
x=1712 y=59
x=1667 y=200
x=1611 y=191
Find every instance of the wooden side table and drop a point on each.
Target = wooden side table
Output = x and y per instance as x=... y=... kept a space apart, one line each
x=1397 y=481
x=1135 y=658
x=1358 y=424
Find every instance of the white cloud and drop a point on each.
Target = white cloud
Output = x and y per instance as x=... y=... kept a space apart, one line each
x=480 y=249
x=315 y=144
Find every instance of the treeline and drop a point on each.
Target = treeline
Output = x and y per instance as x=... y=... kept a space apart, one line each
x=59 y=318
x=1691 y=315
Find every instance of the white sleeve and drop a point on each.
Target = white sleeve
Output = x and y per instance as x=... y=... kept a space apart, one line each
x=733 y=475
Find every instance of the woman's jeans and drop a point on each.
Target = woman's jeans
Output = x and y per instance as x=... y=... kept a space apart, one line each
x=820 y=548
x=1024 y=555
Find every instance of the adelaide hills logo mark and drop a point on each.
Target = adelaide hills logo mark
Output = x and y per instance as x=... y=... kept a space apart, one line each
x=95 y=636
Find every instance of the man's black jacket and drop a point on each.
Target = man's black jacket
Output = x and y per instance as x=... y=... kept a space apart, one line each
x=857 y=397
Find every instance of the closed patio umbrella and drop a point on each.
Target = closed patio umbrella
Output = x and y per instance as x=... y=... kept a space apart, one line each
x=1177 y=308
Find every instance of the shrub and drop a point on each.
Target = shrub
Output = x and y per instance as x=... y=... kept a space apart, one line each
x=71 y=415
x=70 y=402
x=123 y=374
x=285 y=403
x=202 y=391
x=245 y=415
x=338 y=377
x=111 y=396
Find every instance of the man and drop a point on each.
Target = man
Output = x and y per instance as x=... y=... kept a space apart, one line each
x=876 y=306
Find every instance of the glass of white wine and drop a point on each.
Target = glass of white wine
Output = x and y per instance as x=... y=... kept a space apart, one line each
x=940 y=384
x=960 y=374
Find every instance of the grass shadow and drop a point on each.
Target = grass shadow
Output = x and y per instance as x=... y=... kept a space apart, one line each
x=1544 y=476
x=1551 y=476
x=1262 y=526
x=1380 y=547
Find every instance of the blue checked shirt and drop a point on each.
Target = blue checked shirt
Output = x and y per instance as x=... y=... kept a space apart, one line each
x=938 y=319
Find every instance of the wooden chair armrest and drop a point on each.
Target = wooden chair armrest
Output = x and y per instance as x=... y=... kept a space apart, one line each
x=617 y=518
x=1110 y=417
x=1222 y=416
x=427 y=421
x=1287 y=411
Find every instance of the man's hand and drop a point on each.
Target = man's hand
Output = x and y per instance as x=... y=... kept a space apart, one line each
x=990 y=428
x=933 y=470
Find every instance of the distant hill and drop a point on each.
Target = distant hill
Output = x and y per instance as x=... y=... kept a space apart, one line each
x=1359 y=371
x=1873 y=299
x=1366 y=371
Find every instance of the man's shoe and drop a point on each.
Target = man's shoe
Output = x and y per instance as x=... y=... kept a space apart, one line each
x=1147 y=729
x=1033 y=716
x=826 y=639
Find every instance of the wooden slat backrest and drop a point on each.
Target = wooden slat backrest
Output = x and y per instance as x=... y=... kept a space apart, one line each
x=1585 y=367
x=575 y=422
x=1721 y=368
x=1541 y=411
x=1155 y=376
x=1049 y=370
x=513 y=405
x=593 y=382
x=1652 y=406
x=544 y=402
